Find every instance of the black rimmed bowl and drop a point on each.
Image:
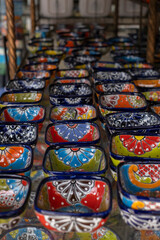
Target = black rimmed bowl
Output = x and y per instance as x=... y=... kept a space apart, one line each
x=72 y=73
x=107 y=66
x=26 y=84
x=80 y=60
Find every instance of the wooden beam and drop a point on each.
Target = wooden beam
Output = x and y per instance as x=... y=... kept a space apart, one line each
x=11 y=38
x=33 y=17
x=116 y=16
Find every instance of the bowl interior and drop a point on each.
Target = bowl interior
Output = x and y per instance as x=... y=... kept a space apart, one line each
x=115 y=87
x=19 y=84
x=21 y=97
x=74 y=196
x=82 y=73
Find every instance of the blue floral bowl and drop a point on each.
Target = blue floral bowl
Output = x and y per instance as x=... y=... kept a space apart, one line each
x=75 y=160
x=139 y=73
x=116 y=40
x=27 y=84
x=78 y=113
x=104 y=76
x=70 y=94
x=129 y=59
x=43 y=59
x=72 y=133
x=80 y=60
x=73 y=203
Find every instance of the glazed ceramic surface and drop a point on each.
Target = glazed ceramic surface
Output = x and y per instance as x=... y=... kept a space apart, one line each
x=147 y=83
x=95 y=54
x=40 y=67
x=115 y=87
x=69 y=204
x=76 y=60
x=25 y=74
x=28 y=84
x=30 y=97
x=18 y=133
x=129 y=59
x=143 y=73
x=111 y=76
x=75 y=160
x=73 y=80
x=72 y=73
x=69 y=133
x=43 y=59
x=107 y=66
x=138 y=65
x=77 y=113
x=27 y=233
x=138 y=185
x=51 y=53
x=156 y=109
x=152 y=94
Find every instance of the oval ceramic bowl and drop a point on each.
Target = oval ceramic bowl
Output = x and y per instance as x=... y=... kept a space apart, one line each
x=137 y=122
x=129 y=59
x=80 y=113
x=72 y=133
x=39 y=44
x=43 y=59
x=70 y=94
x=147 y=83
x=70 y=41
x=100 y=47
x=134 y=147
x=71 y=160
x=128 y=102
x=80 y=60
x=18 y=133
x=19 y=97
x=14 y=194
x=138 y=186
x=28 y=84
x=152 y=94
x=138 y=219
x=107 y=66
x=156 y=109
x=40 y=67
x=92 y=53
x=25 y=74
x=138 y=65
x=74 y=203
x=139 y=73
x=16 y=159
x=29 y=232
x=115 y=40
x=125 y=52
x=111 y=76
x=53 y=53
x=72 y=73
x=73 y=80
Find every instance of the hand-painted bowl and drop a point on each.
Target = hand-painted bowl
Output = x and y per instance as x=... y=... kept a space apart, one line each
x=107 y=66
x=73 y=203
x=147 y=83
x=75 y=160
x=128 y=102
x=100 y=47
x=72 y=133
x=16 y=159
x=19 y=97
x=73 y=80
x=125 y=52
x=53 y=53
x=27 y=84
x=25 y=74
x=79 y=113
x=129 y=59
x=134 y=147
x=70 y=41
x=139 y=220
x=43 y=59
x=115 y=40
x=138 y=65
x=70 y=94
x=29 y=232
x=23 y=114
x=138 y=186
x=91 y=52
x=14 y=194
x=137 y=122
x=156 y=108
x=152 y=94
x=39 y=44
x=111 y=76
x=72 y=73
x=139 y=73
x=18 y=133
x=80 y=60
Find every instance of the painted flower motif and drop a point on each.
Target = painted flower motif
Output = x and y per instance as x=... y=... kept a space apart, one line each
x=110 y=100
x=111 y=75
x=136 y=101
x=75 y=157
x=139 y=144
x=67 y=88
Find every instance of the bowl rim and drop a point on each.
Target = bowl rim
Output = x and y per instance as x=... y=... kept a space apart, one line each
x=27 y=80
x=70 y=70
x=103 y=214
x=42 y=64
x=98 y=172
x=33 y=71
x=111 y=82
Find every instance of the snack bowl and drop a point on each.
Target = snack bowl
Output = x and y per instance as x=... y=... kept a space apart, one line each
x=106 y=76
x=73 y=80
x=53 y=53
x=139 y=65
x=26 y=84
x=87 y=52
x=134 y=147
x=26 y=74
x=36 y=44
x=75 y=160
x=76 y=113
x=43 y=59
x=116 y=40
x=129 y=59
x=80 y=60
x=107 y=66
x=72 y=133
x=152 y=95
x=24 y=114
x=142 y=73
x=14 y=194
x=27 y=232
x=72 y=73
x=16 y=159
x=138 y=186
x=73 y=203
x=70 y=41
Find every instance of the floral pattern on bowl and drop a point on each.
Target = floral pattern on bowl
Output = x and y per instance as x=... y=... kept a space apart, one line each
x=72 y=73
x=110 y=66
x=78 y=60
x=114 y=87
x=111 y=76
x=147 y=83
x=40 y=67
x=143 y=73
x=73 y=80
x=42 y=59
x=129 y=59
x=51 y=53
x=27 y=84
x=80 y=204
x=152 y=94
x=77 y=113
x=25 y=74
x=138 y=65
x=72 y=133
x=72 y=160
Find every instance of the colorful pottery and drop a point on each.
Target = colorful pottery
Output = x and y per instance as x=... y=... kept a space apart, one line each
x=72 y=133
x=80 y=60
x=40 y=67
x=28 y=84
x=72 y=160
x=138 y=65
x=138 y=186
x=72 y=73
x=73 y=80
x=77 y=113
x=69 y=204
x=39 y=44
x=139 y=73
x=111 y=76
x=25 y=74
x=27 y=233
x=95 y=54
x=129 y=59
x=147 y=83
x=51 y=53
x=114 y=87
x=110 y=66
x=152 y=94
x=43 y=59
x=156 y=109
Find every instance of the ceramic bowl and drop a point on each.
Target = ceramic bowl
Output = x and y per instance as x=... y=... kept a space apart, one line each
x=111 y=77
x=23 y=114
x=80 y=60
x=39 y=44
x=134 y=147
x=27 y=232
x=28 y=84
x=16 y=159
x=25 y=74
x=70 y=94
x=138 y=186
x=75 y=160
x=128 y=102
x=138 y=219
x=100 y=47
x=79 y=113
x=72 y=133
x=40 y=67
x=107 y=66
x=19 y=97
x=72 y=73
x=156 y=108
x=73 y=80
x=152 y=94
x=43 y=59
x=91 y=52
x=115 y=40
x=14 y=194
x=139 y=73
x=129 y=59
x=18 y=133
x=53 y=53
x=73 y=203
x=125 y=52
x=147 y=83
x=70 y=41
x=138 y=65
x=140 y=122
